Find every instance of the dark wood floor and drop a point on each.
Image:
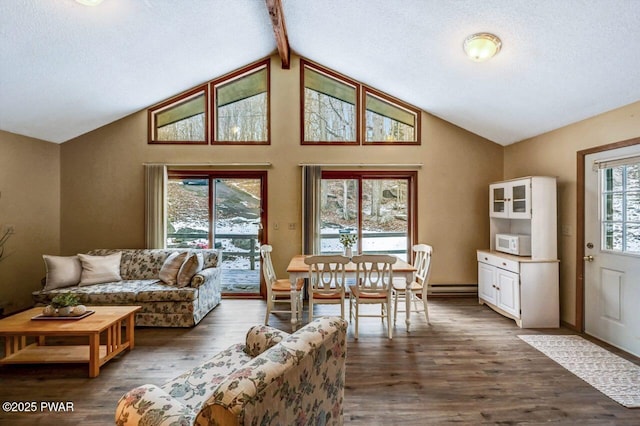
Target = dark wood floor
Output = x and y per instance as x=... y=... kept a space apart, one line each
x=468 y=367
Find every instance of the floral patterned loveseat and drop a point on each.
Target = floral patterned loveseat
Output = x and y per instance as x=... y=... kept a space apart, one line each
x=162 y=305
x=274 y=378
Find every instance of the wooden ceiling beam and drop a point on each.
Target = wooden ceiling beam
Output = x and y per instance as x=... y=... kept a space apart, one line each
x=274 y=7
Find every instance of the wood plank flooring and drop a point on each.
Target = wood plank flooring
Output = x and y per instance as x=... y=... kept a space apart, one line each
x=468 y=367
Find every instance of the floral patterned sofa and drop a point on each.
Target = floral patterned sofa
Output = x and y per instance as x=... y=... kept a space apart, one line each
x=274 y=378
x=162 y=305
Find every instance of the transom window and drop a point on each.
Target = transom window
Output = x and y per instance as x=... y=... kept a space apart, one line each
x=180 y=120
x=240 y=105
x=620 y=201
x=340 y=111
x=330 y=106
x=388 y=121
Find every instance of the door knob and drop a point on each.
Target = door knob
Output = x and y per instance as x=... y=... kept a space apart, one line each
x=588 y=258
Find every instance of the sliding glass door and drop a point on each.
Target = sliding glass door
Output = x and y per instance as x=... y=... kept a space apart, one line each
x=220 y=209
x=377 y=207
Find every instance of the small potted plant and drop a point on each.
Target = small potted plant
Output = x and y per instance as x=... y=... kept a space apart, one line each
x=348 y=240
x=67 y=304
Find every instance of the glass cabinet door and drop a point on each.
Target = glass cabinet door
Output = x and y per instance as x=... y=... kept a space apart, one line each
x=520 y=200
x=498 y=200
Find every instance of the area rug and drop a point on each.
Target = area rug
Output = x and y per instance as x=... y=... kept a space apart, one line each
x=612 y=375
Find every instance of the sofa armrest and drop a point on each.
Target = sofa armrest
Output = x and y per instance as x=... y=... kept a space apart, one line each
x=205 y=275
x=148 y=404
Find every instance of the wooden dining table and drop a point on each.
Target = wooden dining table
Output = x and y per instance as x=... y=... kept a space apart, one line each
x=298 y=269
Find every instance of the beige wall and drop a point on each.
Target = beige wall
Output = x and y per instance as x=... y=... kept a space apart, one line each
x=554 y=154
x=29 y=200
x=102 y=182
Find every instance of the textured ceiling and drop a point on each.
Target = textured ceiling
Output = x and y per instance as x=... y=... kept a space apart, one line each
x=66 y=69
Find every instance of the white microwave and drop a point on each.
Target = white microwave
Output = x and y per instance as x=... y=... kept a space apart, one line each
x=517 y=244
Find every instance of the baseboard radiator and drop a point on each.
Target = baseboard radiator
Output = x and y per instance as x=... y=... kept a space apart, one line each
x=457 y=290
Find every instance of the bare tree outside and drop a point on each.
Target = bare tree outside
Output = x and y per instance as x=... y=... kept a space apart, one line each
x=328 y=119
x=244 y=120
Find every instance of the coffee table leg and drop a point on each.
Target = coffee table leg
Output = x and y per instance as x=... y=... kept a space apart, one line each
x=94 y=355
x=131 y=324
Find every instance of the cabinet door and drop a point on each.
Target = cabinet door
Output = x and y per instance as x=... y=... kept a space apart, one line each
x=508 y=294
x=487 y=282
x=498 y=197
x=519 y=204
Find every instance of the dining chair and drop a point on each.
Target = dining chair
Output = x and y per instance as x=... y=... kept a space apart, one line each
x=419 y=287
x=326 y=281
x=279 y=290
x=374 y=284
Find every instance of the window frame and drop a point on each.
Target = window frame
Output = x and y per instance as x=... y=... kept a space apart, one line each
x=304 y=64
x=230 y=78
x=412 y=190
x=175 y=100
x=366 y=90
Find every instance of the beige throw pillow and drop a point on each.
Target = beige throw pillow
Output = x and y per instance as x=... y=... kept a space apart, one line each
x=169 y=271
x=191 y=266
x=62 y=271
x=100 y=269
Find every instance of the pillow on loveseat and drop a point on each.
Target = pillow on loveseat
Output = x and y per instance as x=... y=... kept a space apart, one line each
x=62 y=271
x=169 y=271
x=262 y=337
x=100 y=269
x=191 y=266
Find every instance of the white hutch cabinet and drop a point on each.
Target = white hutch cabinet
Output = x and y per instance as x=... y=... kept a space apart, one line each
x=524 y=288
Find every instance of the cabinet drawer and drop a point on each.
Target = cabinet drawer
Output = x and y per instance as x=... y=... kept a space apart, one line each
x=499 y=262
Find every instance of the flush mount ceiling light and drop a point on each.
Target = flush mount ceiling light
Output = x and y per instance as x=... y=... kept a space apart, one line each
x=482 y=46
x=89 y=2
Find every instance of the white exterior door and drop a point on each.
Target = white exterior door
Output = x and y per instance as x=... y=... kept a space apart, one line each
x=612 y=251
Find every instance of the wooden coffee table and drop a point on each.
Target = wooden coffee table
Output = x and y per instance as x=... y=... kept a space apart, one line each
x=107 y=320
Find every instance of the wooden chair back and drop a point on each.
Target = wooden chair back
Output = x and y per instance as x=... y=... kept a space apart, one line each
x=374 y=272
x=326 y=273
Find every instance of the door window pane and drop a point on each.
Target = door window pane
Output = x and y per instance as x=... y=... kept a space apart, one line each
x=374 y=208
x=338 y=212
x=188 y=213
x=384 y=216
x=620 y=201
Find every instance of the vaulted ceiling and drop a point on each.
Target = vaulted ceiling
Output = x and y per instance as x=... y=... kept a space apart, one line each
x=66 y=69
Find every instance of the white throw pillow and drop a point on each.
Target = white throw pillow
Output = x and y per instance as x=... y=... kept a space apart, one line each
x=100 y=269
x=169 y=271
x=191 y=266
x=62 y=271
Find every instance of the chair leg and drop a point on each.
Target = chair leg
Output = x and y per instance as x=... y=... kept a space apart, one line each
x=426 y=308
x=266 y=318
x=356 y=331
x=395 y=306
x=310 y=315
x=389 y=328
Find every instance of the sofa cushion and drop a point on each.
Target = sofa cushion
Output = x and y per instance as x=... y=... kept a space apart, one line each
x=160 y=292
x=100 y=269
x=191 y=266
x=262 y=337
x=62 y=271
x=169 y=271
